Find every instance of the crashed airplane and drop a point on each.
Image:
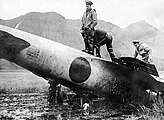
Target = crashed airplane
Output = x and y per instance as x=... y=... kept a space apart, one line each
x=81 y=72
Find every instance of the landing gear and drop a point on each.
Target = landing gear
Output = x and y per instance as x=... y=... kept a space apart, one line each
x=58 y=97
x=54 y=93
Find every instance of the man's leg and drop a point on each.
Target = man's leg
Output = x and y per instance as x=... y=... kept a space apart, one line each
x=97 y=45
x=52 y=91
x=109 y=47
x=87 y=47
x=97 y=50
x=91 y=40
x=91 y=45
x=86 y=44
x=111 y=53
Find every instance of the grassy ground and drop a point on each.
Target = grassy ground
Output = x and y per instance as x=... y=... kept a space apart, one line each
x=21 y=82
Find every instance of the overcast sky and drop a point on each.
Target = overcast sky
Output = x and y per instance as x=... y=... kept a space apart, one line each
x=119 y=12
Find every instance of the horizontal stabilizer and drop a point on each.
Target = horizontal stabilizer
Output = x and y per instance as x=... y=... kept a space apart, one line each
x=139 y=65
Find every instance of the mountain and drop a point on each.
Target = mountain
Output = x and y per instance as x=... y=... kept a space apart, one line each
x=103 y=25
x=150 y=35
x=55 y=27
x=50 y=25
x=118 y=39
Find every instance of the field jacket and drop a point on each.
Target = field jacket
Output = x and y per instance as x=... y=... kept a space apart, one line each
x=89 y=18
x=142 y=49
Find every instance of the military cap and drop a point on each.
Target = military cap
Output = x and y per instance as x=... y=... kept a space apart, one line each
x=88 y=2
x=136 y=41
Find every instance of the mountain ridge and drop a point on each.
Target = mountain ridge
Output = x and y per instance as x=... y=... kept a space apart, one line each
x=55 y=27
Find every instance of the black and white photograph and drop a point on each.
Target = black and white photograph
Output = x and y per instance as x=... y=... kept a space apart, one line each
x=81 y=60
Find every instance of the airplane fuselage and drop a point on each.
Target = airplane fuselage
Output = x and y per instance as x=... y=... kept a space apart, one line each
x=70 y=67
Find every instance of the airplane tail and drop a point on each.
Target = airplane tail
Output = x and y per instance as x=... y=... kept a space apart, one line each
x=139 y=65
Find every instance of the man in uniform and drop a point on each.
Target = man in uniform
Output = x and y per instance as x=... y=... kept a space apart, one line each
x=102 y=38
x=89 y=21
x=143 y=50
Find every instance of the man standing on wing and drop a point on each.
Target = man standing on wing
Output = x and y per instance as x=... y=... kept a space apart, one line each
x=89 y=21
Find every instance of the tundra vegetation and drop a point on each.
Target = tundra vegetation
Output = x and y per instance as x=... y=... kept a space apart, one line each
x=24 y=96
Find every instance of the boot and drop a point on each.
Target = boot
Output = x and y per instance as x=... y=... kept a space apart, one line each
x=116 y=60
x=97 y=50
x=112 y=56
x=98 y=55
x=87 y=51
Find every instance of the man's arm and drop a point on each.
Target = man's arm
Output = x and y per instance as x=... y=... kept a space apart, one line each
x=82 y=21
x=146 y=48
x=94 y=18
x=135 y=54
x=93 y=23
